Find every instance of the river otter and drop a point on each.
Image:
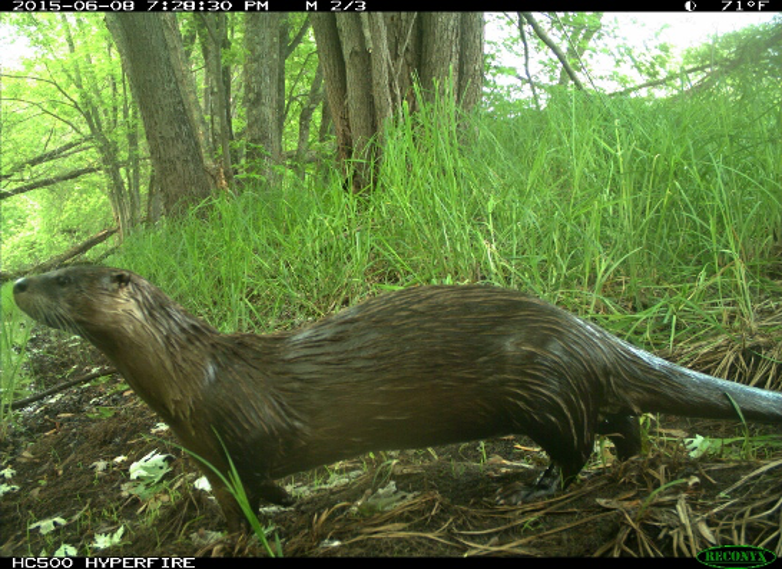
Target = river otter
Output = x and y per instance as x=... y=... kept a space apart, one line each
x=414 y=368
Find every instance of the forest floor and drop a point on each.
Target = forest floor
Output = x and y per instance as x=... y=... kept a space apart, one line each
x=69 y=458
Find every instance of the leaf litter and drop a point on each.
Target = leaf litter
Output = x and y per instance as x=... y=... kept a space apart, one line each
x=69 y=459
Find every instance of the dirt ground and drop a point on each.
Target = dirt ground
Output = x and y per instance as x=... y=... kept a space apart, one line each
x=69 y=458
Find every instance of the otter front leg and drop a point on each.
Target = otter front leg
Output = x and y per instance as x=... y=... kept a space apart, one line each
x=235 y=516
x=270 y=491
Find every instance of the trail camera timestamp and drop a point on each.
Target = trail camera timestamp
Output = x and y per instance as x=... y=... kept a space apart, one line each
x=190 y=6
x=186 y=5
x=250 y=5
x=73 y=6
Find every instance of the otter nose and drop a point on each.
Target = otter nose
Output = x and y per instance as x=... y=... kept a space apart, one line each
x=21 y=286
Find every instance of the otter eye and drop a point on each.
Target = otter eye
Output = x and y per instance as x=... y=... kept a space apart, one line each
x=121 y=279
x=62 y=280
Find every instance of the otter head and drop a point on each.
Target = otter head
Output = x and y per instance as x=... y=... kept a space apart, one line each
x=84 y=300
x=160 y=349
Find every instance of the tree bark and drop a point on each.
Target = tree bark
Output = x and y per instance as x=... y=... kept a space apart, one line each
x=264 y=84
x=324 y=26
x=214 y=38
x=182 y=67
x=314 y=98
x=369 y=63
x=360 y=100
x=470 y=84
x=173 y=140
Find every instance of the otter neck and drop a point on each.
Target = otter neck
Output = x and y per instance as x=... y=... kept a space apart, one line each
x=166 y=367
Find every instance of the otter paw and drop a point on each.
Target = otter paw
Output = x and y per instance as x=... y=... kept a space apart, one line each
x=548 y=484
x=518 y=493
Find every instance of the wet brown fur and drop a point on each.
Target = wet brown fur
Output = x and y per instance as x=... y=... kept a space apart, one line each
x=419 y=367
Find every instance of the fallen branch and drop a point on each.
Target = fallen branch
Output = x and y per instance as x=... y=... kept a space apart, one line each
x=58 y=260
x=60 y=387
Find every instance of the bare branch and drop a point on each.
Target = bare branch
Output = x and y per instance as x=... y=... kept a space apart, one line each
x=541 y=33
x=56 y=153
x=48 y=182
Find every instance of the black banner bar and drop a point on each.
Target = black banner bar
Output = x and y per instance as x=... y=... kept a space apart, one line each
x=682 y=6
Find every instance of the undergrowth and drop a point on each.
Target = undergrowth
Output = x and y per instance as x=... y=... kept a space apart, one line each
x=630 y=212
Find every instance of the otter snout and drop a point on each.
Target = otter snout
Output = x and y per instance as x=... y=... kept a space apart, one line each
x=35 y=296
x=25 y=297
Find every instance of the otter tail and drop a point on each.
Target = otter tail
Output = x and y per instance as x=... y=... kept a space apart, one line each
x=656 y=385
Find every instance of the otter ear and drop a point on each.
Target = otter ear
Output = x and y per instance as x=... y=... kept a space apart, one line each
x=121 y=279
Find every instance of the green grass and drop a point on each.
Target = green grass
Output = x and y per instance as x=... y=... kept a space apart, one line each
x=635 y=213
x=14 y=334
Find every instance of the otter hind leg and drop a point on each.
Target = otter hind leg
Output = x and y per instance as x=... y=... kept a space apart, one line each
x=567 y=460
x=624 y=430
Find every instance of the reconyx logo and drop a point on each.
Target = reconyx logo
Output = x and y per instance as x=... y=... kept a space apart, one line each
x=736 y=557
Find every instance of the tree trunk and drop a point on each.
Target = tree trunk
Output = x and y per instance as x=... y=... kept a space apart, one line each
x=133 y=169
x=314 y=98
x=101 y=124
x=173 y=141
x=324 y=27
x=183 y=70
x=470 y=84
x=263 y=85
x=214 y=38
x=360 y=101
x=369 y=61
